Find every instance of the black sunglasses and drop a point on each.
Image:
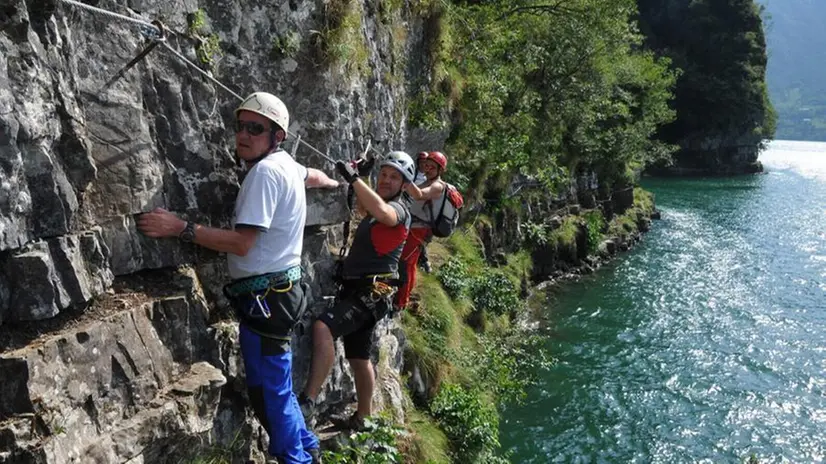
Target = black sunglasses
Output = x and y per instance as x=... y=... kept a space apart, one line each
x=252 y=128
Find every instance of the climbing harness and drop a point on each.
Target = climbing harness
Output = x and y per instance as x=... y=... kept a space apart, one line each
x=250 y=294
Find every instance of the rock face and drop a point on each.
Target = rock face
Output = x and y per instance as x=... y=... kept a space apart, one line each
x=151 y=375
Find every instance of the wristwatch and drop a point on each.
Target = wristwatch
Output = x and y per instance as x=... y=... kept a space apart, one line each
x=188 y=234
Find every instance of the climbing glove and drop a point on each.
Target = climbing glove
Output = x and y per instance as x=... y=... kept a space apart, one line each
x=348 y=171
x=365 y=166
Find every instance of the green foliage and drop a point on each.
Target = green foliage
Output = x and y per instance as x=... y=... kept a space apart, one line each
x=594 y=223
x=377 y=444
x=196 y=22
x=454 y=278
x=470 y=372
x=643 y=200
x=389 y=8
x=218 y=454
x=341 y=42
x=433 y=334
x=721 y=93
x=543 y=89
x=465 y=245
x=519 y=268
x=286 y=45
x=565 y=234
x=535 y=233
x=425 y=111
x=622 y=226
x=208 y=49
x=429 y=443
x=796 y=68
x=492 y=292
x=508 y=363
x=471 y=422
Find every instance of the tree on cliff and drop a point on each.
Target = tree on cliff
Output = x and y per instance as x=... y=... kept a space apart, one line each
x=545 y=89
x=722 y=104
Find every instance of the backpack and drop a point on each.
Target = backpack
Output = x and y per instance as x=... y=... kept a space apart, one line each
x=445 y=222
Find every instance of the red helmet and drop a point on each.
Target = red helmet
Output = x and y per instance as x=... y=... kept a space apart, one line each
x=435 y=156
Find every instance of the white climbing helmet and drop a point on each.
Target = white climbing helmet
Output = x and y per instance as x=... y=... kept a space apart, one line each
x=403 y=162
x=269 y=106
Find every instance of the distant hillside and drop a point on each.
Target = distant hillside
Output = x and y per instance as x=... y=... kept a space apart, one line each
x=796 y=36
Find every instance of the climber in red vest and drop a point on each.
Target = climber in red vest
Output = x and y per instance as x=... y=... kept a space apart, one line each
x=427 y=198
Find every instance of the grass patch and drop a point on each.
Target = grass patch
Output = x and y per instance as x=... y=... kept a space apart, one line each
x=519 y=268
x=468 y=351
x=564 y=236
x=342 y=42
x=428 y=443
x=388 y=9
x=644 y=200
x=466 y=245
x=623 y=226
x=433 y=334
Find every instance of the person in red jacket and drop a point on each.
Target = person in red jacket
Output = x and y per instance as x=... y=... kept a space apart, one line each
x=427 y=202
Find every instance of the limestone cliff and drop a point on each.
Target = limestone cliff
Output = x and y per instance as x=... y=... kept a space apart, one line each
x=116 y=347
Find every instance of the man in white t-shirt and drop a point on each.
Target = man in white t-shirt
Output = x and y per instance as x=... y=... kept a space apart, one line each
x=264 y=257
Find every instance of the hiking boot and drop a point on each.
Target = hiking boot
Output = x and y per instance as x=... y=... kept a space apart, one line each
x=356 y=423
x=424 y=262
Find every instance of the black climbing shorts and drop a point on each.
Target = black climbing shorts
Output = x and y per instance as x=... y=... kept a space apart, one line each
x=354 y=320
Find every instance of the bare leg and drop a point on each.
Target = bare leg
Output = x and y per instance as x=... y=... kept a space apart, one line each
x=324 y=353
x=365 y=382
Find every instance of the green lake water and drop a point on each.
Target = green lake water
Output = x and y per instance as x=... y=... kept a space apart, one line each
x=706 y=343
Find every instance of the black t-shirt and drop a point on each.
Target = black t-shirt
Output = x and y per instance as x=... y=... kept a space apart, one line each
x=376 y=247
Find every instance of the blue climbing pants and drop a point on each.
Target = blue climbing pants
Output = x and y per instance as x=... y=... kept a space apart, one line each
x=270 y=387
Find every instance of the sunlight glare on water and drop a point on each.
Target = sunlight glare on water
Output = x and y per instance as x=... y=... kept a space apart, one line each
x=707 y=343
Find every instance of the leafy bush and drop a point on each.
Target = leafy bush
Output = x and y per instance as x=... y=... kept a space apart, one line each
x=471 y=424
x=454 y=277
x=196 y=22
x=508 y=364
x=493 y=292
x=536 y=234
x=375 y=445
x=594 y=222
